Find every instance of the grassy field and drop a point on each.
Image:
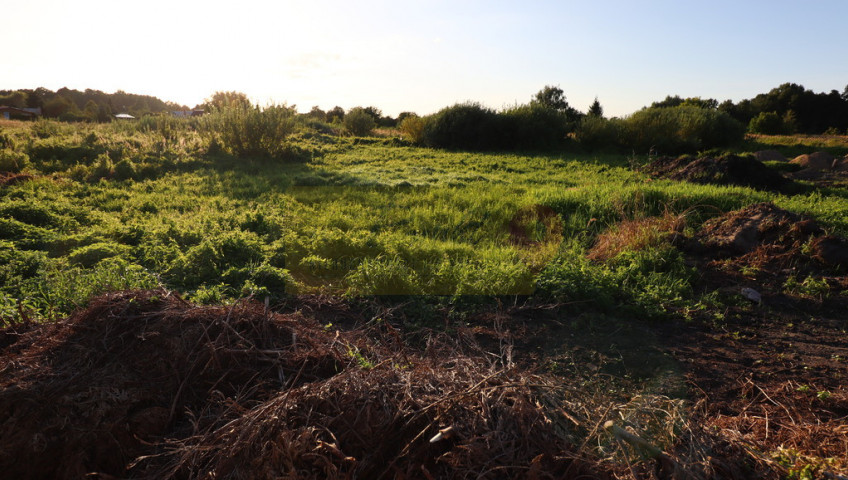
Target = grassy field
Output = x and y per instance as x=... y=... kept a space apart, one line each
x=138 y=205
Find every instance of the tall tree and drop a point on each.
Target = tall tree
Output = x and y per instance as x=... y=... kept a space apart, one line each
x=596 y=110
x=233 y=99
x=336 y=113
x=552 y=97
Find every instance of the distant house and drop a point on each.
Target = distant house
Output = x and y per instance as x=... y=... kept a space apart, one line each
x=14 y=112
x=187 y=113
x=124 y=116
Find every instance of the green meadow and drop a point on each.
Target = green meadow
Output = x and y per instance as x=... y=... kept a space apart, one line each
x=163 y=202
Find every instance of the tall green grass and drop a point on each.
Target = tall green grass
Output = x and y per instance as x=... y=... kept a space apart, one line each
x=349 y=219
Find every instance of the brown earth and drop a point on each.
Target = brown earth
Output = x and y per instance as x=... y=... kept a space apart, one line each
x=822 y=169
x=769 y=155
x=815 y=161
x=727 y=170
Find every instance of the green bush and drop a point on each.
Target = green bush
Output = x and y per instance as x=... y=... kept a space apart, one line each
x=595 y=132
x=90 y=255
x=12 y=161
x=464 y=126
x=358 y=122
x=247 y=131
x=7 y=141
x=412 y=128
x=533 y=126
x=768 y=123
x=680 y=129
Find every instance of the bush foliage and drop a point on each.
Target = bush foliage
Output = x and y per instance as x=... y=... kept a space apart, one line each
x=251 y=131
x=665 y=130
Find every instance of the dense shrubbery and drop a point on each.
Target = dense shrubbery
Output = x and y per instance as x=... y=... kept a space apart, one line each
x=598 y=133
x=359 y=122
x=468 y=126
x=471 y=126
x=251 y=131
x=663 y=130
x=769 y=123
x=679 y=129
x=412 y=128
x=534 y=126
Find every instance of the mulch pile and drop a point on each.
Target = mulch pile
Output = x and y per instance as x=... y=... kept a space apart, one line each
x=727 y=170
x=143 y=384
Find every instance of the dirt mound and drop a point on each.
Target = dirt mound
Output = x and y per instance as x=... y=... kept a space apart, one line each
x=742 y=231
x=822 y=169
x=815 y=161
x=726 y=170
x=786 y=257
x=244 y=393
x=769 y=156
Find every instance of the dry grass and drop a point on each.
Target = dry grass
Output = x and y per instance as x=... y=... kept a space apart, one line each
x=636 y=234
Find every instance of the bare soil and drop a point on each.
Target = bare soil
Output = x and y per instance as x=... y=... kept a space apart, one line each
x=727 y=170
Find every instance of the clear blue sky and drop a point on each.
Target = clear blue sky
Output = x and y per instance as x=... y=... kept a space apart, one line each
x=423 y=55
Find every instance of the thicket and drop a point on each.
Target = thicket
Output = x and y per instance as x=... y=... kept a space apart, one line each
x=665 y=130
x=359 y=122
x=250 y=131
x=471 y=126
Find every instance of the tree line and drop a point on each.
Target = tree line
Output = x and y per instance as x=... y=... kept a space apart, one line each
x=787 y=109
x=89 y=105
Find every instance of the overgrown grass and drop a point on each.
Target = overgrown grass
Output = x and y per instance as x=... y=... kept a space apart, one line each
x=155 y=202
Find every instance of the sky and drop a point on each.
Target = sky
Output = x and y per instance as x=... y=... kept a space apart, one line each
x=421 y=56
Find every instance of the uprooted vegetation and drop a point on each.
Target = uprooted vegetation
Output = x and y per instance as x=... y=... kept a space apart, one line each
x=145 y=385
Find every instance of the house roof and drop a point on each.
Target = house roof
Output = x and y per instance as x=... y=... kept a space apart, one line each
x=32 y=112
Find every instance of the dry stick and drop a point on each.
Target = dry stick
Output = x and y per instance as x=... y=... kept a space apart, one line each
x=779 y=405
x=633 y=440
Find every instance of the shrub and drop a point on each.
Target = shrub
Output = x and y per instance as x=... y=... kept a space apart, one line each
x=534 y=126
x=680 y=129
x=412 y=128
x=464 y=126
x=125 y=169
x=247 y=131
x=91 y=255
x=12 y=161
x=768 y=123
x=103 y=168
x=358 y=122
x=7 y=141
x=597 y=132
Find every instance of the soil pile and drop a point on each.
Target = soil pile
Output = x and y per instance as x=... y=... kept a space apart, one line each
x=786 y=258
x=822 y=169
x=769 y=156
x=767 y=235
x=727 y=170
x=244 y=393
x=815 y=161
